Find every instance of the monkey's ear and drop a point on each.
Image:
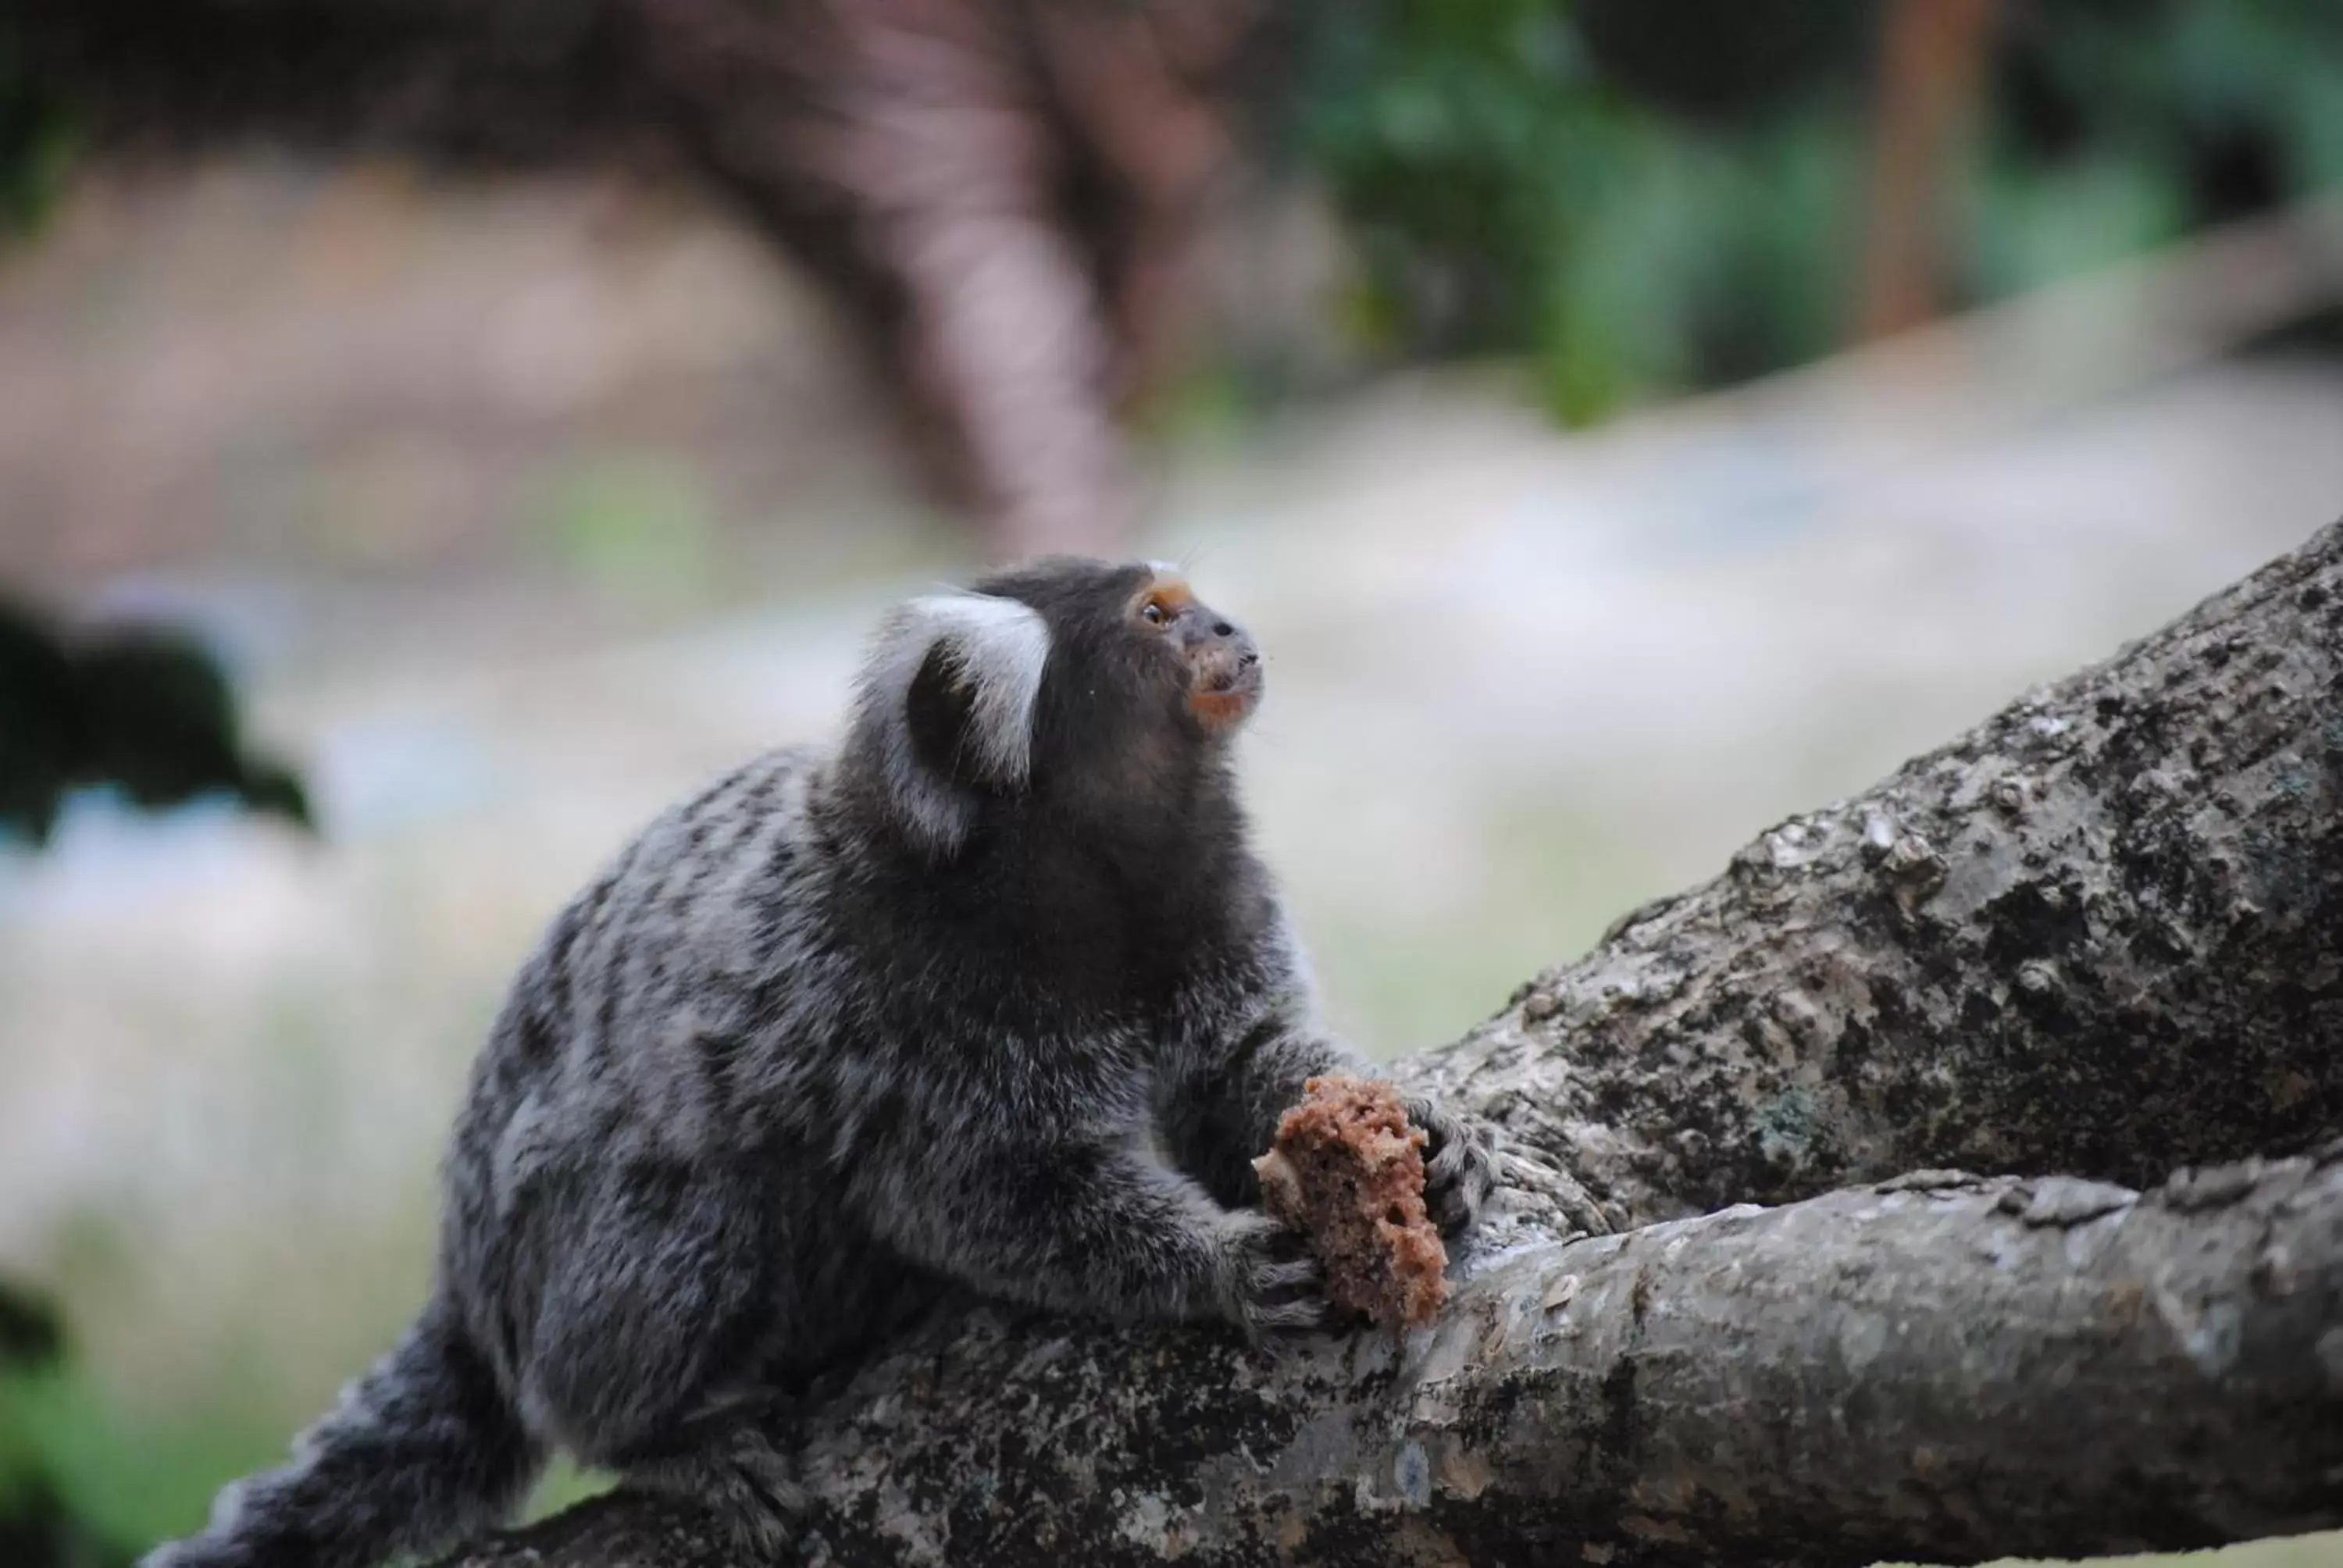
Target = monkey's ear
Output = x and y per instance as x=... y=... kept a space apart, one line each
x=945 y=708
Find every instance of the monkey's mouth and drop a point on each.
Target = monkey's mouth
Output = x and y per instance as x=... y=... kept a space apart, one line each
x=1225 y=689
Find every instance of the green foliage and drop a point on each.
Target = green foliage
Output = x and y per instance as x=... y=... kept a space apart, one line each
x=2113 y=128
x=1510 y=194
x=145 y=712
x=126 y=1480
x=38 y=133
x=1643 y=199
x=40 y=1524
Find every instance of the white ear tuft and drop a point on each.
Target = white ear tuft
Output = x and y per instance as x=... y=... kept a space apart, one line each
x=999 y=646
x=997 y=649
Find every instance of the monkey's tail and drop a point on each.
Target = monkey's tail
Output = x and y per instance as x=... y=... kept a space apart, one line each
x=422 y=1450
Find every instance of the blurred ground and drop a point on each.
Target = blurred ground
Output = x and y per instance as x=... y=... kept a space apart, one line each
x=520 y=511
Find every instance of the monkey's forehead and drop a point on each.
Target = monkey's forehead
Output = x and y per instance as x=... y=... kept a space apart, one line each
x=1167 y=583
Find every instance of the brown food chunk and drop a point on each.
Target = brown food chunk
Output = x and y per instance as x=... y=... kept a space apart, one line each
x=1347 y=1169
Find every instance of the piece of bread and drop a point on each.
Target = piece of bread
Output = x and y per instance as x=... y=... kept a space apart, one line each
x=1348 y=1170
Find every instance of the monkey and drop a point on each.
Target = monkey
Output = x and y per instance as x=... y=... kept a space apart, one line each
x=992 y=997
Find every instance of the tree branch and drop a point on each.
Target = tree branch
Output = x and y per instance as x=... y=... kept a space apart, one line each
x=2094 y=934
x=1944 y=1366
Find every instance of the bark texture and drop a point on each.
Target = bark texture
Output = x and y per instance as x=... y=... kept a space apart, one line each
x=1947 y=1367
x=2095 y=936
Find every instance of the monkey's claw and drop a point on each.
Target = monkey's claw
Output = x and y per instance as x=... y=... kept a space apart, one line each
x=746 y=1481
x=1267 y=1283
x=1460 y=1165
x=1554 y=1189
x=1300 y=1313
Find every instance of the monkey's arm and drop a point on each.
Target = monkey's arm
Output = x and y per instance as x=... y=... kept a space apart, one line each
x=1247 y=1053
x=1096 y=1225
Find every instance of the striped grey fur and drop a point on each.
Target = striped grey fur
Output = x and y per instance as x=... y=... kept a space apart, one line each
x=846 y=1035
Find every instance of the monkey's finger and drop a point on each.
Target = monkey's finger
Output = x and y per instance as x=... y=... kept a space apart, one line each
x=1517 y=1169
x=1287 y=1242
x=1454 y=1208
x=1259 y=1228
x=1304 y=1313
x=1531 y=1174
x=1455 y=1165
x=1466 y=1161
x=1448 y=1165
x=1557 y=1187
x=1293 y=1274
x=1438 y=1127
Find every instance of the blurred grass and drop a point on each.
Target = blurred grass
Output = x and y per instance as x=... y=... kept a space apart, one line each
x=1550 y=876
x=139 y=1480
x=178 y=1393
x=138 y=1474
x=635 y=528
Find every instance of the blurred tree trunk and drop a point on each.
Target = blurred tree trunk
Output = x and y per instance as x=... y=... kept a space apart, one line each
x=1932 y=56
x=2094 y=936
x=1009 y=191
x=1003 y=193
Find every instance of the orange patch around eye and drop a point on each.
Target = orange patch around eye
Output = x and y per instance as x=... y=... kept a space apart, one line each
x=1173 y=594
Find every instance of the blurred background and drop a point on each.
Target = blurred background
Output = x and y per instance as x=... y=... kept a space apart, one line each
x=435 y=433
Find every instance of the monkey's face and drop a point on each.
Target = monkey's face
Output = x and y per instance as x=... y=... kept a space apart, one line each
x=1098 y=691
x=1219 y=666
x=1137 y=661
x=1145 y=685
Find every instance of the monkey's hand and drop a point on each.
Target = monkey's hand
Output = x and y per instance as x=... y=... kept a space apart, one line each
x=1267 y=1278
x=1098 y=1225
x=1460 y=1164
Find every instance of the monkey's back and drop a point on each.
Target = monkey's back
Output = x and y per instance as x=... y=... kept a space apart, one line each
x=689 y=1017
x=769 y=1004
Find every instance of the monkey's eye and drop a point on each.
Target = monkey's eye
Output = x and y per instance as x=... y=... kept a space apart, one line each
x=1152 y=613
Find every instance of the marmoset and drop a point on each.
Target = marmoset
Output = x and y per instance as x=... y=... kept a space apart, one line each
x=992 y=996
